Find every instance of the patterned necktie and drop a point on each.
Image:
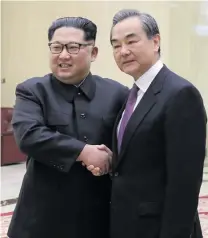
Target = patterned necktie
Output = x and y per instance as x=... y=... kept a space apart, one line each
x=127 y=113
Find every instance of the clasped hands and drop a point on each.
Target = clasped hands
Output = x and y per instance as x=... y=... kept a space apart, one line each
x=97 y=159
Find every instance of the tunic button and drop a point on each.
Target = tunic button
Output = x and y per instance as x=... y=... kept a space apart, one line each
x=82 y=115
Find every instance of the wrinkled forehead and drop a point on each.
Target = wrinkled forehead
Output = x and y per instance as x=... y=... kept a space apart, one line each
x=68 y=34
x=130 y=27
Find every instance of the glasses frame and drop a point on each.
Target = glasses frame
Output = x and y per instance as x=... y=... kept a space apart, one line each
x=65 y=46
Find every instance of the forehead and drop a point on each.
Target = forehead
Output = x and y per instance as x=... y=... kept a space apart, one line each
x=129 y=26
x=67 y=34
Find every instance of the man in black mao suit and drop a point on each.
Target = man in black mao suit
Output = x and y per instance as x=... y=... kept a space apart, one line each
x=59 y=121
x=159 y=140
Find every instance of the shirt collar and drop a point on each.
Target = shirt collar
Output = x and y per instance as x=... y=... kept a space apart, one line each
x=146 y=79
x=69 y=91
x=88 y=86
x=78 y=85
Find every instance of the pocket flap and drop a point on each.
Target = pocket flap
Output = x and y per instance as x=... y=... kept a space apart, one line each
x=58 y=119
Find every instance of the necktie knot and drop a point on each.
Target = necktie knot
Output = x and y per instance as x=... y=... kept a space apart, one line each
x=133 y=93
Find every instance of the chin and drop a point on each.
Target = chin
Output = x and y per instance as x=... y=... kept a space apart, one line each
x=129 y=72
x=64 y=75
x=63 y=78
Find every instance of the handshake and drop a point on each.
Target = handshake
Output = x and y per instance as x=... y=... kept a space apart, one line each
x=97 y=159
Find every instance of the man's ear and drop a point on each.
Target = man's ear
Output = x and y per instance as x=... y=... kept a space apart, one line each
x=94 y=54
x=156 y=40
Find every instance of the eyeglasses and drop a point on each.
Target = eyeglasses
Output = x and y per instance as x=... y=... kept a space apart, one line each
x=72 y=47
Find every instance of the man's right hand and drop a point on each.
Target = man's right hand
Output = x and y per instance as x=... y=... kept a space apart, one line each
x=92 y=155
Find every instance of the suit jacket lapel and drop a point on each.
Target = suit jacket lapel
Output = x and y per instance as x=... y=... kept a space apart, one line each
x=145 y=105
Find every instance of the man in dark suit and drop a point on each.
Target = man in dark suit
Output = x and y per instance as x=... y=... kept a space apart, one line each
x=59 y=121
x=159 y=140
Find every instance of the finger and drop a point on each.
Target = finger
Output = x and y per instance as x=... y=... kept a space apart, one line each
x=90 y=168
x=105 y=148
x=106 y=170
x=102 y=171
x=96 y=171
x=107 y=167
x=102 y=147
x=110 y=160
x=110 y=153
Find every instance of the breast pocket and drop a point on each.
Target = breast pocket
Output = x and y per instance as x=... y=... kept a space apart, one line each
x=59 y=122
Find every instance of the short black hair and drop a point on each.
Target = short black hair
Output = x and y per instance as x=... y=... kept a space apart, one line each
x=89 y=28
x=149 y=24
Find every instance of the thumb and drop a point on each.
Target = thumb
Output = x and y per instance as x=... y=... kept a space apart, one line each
x=102 y=147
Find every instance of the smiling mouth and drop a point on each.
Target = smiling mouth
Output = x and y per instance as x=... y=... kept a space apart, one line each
x=65 y=66
x=127 y=62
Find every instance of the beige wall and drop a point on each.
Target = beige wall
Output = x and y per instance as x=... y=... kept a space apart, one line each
x=24 y=39
x=24 y=36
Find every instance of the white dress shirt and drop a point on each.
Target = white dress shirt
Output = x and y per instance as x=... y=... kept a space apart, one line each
x=144 y=82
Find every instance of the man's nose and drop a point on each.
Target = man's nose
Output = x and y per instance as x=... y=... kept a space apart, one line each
x=64 y=53
x=124 y=50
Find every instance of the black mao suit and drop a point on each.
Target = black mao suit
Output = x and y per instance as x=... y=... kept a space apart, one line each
x=52 y=123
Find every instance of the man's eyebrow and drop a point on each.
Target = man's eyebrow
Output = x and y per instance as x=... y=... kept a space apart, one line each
x=70 y=42
x=130 y=35
x=58 y=42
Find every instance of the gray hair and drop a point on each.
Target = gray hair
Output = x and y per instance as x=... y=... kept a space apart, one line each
x=149 y=24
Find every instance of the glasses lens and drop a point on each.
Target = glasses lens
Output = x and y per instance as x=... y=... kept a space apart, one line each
x=56 y=48
x=73 y=48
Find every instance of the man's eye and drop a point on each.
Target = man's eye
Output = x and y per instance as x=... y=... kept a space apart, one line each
x=56 y=47
x=73 y=47
x=116 y=46
x=131 y=42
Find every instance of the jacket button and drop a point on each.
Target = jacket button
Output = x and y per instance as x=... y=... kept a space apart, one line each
x=116 y=174
x=85 y=138
x=82 y=115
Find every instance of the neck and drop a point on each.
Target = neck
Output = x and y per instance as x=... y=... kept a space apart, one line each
x=145 y=68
